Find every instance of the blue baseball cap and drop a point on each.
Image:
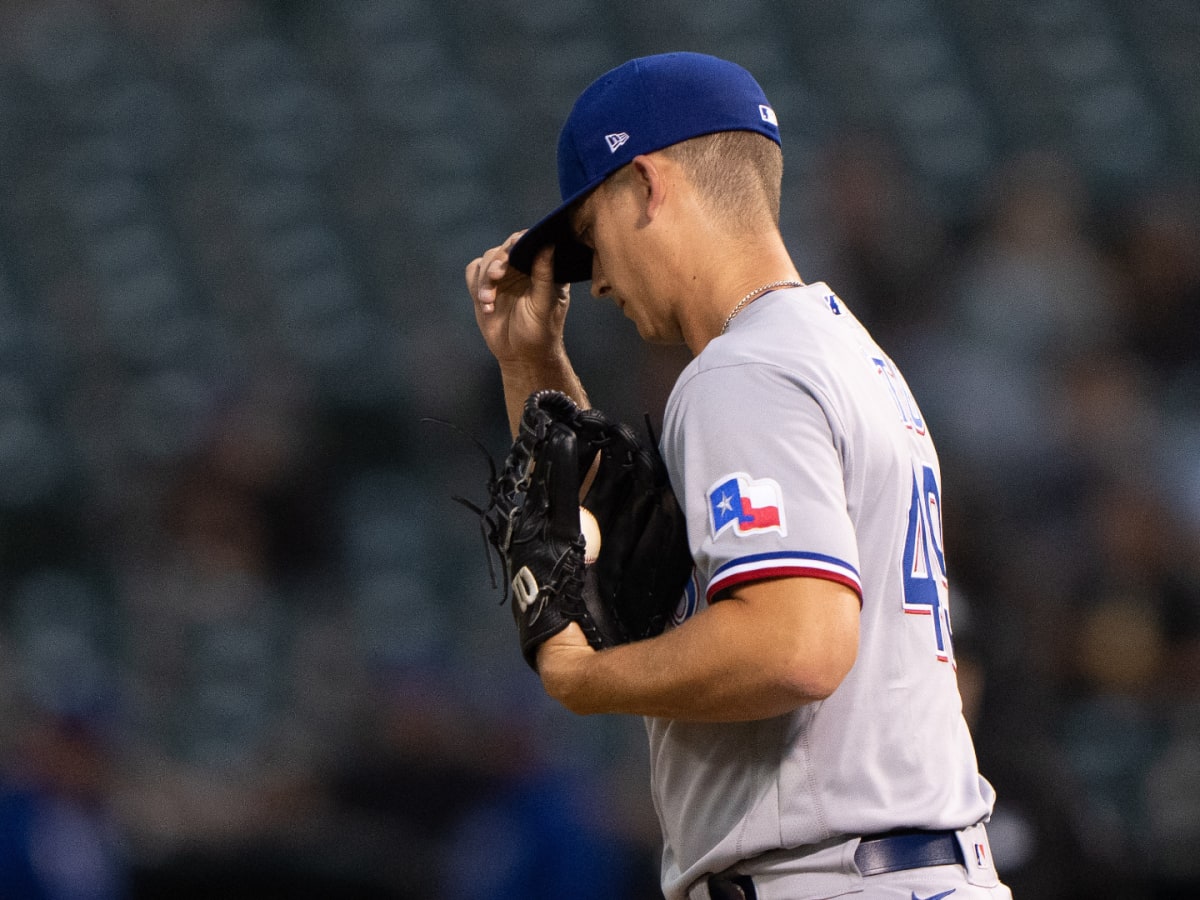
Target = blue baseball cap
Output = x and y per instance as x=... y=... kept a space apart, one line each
x=641 y=106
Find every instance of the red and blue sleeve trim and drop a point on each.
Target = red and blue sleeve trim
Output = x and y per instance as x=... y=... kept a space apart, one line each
x=784 y=564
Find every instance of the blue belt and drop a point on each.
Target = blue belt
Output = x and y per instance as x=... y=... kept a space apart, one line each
x=907 y=850
x=876 y=854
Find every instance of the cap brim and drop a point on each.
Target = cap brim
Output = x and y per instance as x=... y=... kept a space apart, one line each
x=572 y=260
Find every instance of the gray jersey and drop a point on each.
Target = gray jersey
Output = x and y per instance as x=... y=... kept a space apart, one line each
x=796 y=449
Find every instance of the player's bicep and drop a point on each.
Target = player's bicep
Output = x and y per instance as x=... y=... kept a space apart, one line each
x=807 y=628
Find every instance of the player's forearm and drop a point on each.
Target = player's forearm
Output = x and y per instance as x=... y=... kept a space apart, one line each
x=679 y=675
x=523 y=378
x=719 y=666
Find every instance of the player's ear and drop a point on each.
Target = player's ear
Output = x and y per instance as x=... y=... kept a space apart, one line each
x=649 y=179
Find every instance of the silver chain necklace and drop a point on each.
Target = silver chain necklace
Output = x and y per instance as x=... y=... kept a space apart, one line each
x=754 y=293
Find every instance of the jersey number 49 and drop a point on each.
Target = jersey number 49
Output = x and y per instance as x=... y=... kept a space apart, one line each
x=926 y=589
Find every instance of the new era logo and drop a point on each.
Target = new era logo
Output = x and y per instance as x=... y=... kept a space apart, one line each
x=768 y=114
x=616 y=140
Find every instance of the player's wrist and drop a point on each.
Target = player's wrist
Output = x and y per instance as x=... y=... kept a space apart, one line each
x=562 y=665
x=534 y=362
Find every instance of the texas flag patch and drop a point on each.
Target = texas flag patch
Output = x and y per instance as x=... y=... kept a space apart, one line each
x=748 y=505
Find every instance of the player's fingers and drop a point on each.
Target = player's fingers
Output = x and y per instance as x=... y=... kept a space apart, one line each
x=503 y=281
x=484 y=276
x=550 y=298
x=471 y=275
x=490 y=275
x=542 y=275
x=497 y=267
x=477 y=287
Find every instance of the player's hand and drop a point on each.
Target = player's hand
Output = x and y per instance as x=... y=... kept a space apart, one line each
x=562 y=660
x=521 y=317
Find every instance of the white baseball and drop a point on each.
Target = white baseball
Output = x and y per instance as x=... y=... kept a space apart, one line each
x=591 y=535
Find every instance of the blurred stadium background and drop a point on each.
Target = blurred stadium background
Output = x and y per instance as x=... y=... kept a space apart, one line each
x=248 y=648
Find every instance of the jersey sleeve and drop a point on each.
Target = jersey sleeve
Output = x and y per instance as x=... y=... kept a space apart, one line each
x=758 y=461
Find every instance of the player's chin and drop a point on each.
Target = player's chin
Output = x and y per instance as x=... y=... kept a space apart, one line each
x=647 y=332
x=630 y=312
x=645 y=328
x=657 y=332
x=649 y=329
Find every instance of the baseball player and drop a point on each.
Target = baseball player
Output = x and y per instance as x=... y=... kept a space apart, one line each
x=805 y=727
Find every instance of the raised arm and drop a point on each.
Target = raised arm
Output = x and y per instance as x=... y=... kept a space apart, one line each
x=521 y=318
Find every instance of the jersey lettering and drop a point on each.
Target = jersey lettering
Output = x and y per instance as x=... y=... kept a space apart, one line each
x=926 y=588
x=906 y=404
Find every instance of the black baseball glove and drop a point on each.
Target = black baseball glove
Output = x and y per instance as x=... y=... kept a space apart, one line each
x=621 y=583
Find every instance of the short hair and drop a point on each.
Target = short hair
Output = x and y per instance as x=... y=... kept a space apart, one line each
x=739 y=174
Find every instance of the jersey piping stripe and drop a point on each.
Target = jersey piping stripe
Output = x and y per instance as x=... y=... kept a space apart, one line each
x=816 y=558
x=776 y=565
